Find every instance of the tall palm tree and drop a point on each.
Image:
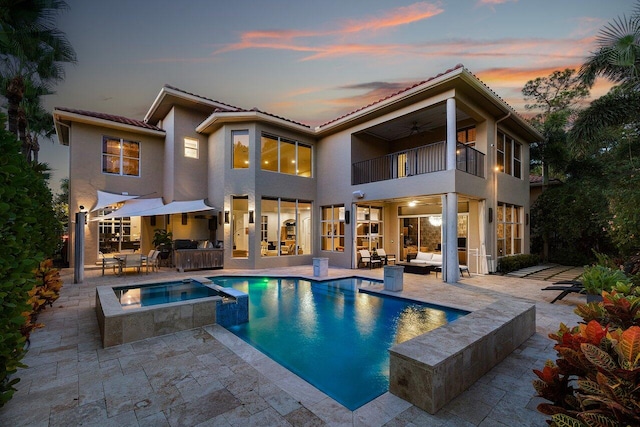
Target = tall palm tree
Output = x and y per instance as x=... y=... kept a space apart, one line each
x=617 y=58
x=31 y=49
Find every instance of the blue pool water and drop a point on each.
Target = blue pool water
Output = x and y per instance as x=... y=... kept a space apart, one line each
x=161 y=293
x=329 y=333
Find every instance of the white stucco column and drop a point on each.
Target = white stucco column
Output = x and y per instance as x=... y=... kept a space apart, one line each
x=450 y=266
x=451 y=134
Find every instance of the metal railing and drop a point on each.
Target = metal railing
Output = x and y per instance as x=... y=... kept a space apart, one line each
x=416 y=161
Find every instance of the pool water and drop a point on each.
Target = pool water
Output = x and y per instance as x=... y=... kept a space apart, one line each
x=161 y=293
x=329 y=333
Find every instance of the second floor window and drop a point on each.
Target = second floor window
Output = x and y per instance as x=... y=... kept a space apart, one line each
x=191 y=148
x=509 y=158
x=120 y=157
x=285 y=156
x=240 y=148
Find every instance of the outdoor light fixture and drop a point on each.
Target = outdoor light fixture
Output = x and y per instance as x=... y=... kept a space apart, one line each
x=347 y=217
x=226 y=217
x=251 y=217
x=490 y=215
x=184 y=218
x=220 y=217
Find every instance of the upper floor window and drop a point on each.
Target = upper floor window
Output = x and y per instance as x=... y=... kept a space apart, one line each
x=240 y=149
x=191 y=148
x=285 y=156
x=120 y=157
x=467 y=136
x=509 y=158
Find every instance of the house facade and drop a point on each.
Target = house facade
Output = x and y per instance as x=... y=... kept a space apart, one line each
x=441 y=166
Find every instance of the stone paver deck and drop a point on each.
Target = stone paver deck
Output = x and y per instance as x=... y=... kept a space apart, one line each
x=209 y=377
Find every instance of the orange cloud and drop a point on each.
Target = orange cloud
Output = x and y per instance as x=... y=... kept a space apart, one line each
x=286 y=39
x=494 y=2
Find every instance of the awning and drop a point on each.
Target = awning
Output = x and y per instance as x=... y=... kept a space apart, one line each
x=107 y=199
x=149 y=207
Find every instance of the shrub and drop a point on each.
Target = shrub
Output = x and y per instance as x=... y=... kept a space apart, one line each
x=28 y=232
x=594 y=382
x=598 y=278
x=45 y=292
x=516 y=262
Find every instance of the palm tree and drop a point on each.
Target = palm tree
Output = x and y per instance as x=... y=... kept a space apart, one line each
x=31 y=50
x=617 y=58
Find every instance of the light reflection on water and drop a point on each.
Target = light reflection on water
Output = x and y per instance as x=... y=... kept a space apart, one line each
x=330 y=334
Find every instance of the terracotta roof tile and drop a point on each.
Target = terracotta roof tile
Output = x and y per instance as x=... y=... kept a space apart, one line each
x=231 y=107
x=111 y=118
x=392 y=95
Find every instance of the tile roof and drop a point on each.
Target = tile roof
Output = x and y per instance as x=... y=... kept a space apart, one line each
x=111 y=118
x=392 y=95
x=231 y=107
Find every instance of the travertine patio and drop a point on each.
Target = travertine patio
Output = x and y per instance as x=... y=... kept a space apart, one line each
x=207 y=376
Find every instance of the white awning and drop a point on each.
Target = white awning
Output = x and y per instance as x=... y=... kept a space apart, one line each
x=149 y=207
x=107 y=199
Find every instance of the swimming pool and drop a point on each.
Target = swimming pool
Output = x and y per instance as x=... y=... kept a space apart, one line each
x=330 y=333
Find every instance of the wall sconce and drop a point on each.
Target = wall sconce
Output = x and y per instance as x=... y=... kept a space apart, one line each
x=347 y=217
x=226 y=217
x=184 y=218
x=526 y=219
x=490 y=215
x=251 y=219
x=84 y=211
x=220 y=218
x=152 y=220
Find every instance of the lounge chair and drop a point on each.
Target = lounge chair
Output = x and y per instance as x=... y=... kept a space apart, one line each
x=566 y=287
x=152 y=261
x=385 y=257
x=367 y=259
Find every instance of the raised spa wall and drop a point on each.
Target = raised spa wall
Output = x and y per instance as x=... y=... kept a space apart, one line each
x=432 y=369
x=119 y=326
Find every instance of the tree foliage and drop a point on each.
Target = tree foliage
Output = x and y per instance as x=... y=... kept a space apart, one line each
x=29 y=234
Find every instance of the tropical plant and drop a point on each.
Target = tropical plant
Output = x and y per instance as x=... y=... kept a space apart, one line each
x=161 y=237
x=46 y=290
x=598 y=278
x=594 y=382
x=29 y=234
x=32 y=51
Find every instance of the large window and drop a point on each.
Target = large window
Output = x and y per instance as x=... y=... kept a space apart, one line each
x=240 y=148
x=369 y=228
x=120 y=157
x=467 y=136
x=333 y=228
x=285 y=156
x=240 y=226
x=509 y=229
x=288 y=227
x=509 y=155
x=118 y=234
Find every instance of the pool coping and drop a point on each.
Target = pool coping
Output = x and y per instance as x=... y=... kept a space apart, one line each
x=427 y=371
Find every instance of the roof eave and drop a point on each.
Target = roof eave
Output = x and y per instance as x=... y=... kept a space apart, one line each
x=168 y=91
x=217 y=119
x=59 y=116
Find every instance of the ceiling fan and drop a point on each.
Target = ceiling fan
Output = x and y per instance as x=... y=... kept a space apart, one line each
x=416 y=128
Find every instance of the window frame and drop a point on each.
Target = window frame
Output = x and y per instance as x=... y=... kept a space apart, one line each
x=120 y=156
x=509 y=155
x=246 y=162
x=509 y=220
x=188 y=149
x=332 y=228
x=280 y=141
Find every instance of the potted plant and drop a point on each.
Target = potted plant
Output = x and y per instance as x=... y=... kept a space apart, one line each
x=162 y=241
x=598 y=278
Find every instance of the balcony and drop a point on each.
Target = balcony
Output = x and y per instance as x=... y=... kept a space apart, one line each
x=416 y=161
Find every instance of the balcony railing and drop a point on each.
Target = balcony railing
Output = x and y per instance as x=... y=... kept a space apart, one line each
x=416 y=161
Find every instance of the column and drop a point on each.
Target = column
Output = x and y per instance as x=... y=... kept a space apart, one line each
x=452 y=133
x=450 y=266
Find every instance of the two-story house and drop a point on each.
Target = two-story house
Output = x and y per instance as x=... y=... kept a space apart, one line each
x=441 y=166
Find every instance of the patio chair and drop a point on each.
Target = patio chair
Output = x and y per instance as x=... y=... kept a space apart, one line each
x=385 y=256
x=152 y=262
x=366 y=258
x=131 y=261
x=107 y=262
x=566 y=287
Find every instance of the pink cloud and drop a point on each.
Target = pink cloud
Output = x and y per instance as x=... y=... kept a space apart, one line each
x=494 y=2
x=400 y=16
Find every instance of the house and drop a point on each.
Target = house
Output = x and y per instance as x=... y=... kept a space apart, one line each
x=440 y=166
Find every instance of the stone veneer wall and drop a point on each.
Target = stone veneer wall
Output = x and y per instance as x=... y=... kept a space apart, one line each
x=431 y=369
x=118 y=326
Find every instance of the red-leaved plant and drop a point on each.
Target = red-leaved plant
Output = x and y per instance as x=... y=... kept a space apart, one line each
x=596 y=379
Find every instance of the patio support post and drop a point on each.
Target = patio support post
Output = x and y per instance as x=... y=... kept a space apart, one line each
x=451 y=134
x=78 y=249
x=450 y=265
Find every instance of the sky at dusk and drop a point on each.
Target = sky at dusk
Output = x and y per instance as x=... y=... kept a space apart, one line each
x=311 y=61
